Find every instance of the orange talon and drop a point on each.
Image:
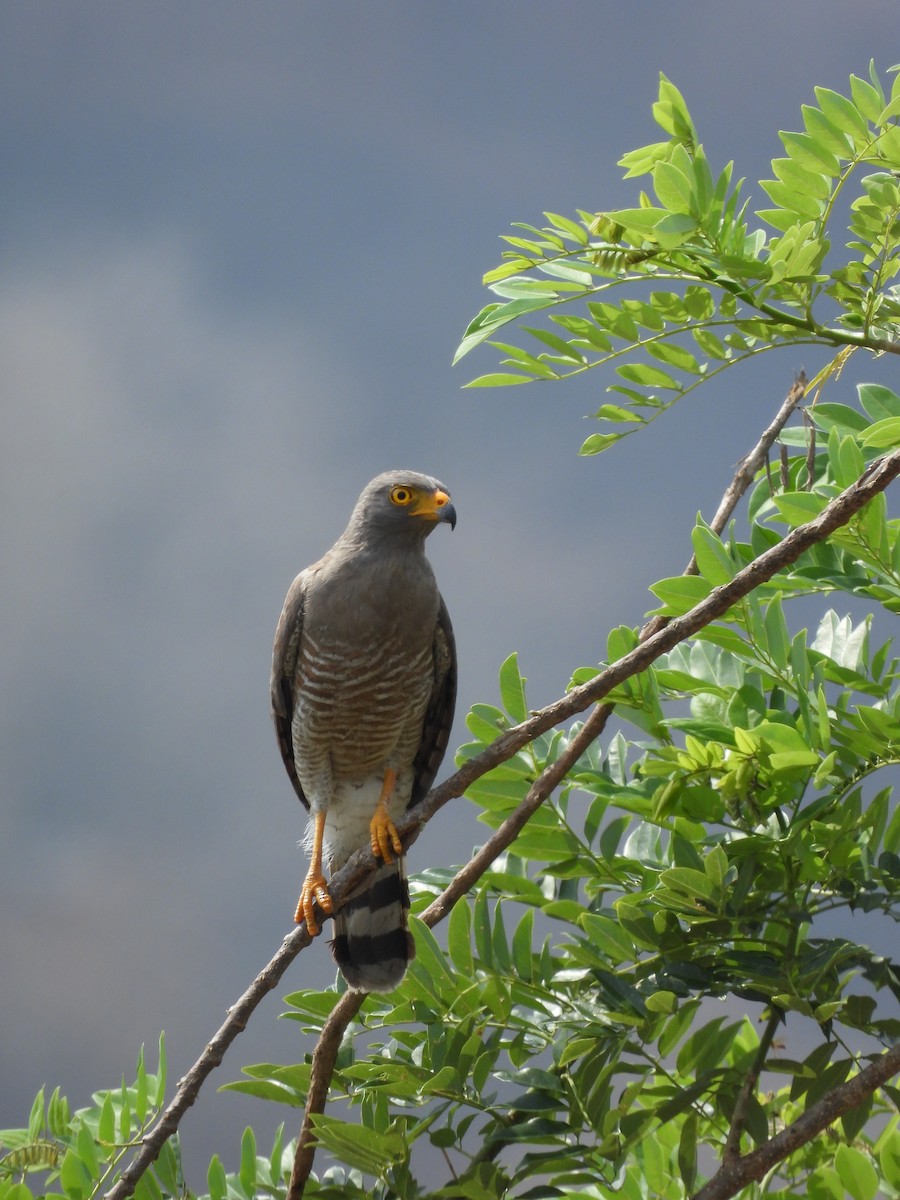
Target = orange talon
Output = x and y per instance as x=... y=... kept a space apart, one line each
x=383 y=836
x=315 y=889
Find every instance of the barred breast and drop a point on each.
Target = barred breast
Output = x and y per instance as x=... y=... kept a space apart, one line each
x=358 y=710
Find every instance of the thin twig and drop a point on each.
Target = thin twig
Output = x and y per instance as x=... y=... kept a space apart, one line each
x=749 y=465
x=743 y=477
x=733 y=1176
x=837 y=513
x=732 y=1150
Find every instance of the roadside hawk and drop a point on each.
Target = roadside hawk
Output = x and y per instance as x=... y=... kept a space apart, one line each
x=363 y=692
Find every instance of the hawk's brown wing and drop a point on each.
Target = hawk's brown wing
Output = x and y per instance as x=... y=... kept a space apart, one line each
x=284 y=669
x=439 y=714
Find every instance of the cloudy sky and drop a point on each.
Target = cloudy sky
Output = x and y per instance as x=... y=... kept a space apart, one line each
x=240 y=242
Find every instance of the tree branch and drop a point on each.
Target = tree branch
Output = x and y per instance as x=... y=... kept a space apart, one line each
x=731 y=1153
x=874 y=481
x=733 y=1176
x=743 y=477
x=750 y=464
x=324 y=1058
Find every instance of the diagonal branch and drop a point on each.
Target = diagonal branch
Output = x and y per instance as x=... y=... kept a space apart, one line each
x=750 y=464
x=735 y=1175
x=743 y=477
x=324 y=1058
x=837 y=513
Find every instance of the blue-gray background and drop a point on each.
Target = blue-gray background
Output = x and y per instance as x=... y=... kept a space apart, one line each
x=240 y=242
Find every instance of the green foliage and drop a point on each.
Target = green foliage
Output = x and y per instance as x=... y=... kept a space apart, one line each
x=573 y=1032
x=76 y=1154
x=660 y=971
x=704 y=289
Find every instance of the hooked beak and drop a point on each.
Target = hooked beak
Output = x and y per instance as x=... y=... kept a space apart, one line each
x=437 y=507
x=444 y=510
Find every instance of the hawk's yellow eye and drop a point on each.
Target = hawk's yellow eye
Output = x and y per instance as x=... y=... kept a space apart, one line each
x=401 y=495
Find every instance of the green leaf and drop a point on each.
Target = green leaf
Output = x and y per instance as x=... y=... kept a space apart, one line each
x=560 y=345
x=216 y=1180
x=74 y=1177
x=810 y=154
x=512 y=689
x=798 y=508
x=824 y=1184
x=431 y=960
x=365 y=1149
x=791 y=198
x=868 y=100
x=497 y=379
x=595 y=443
x=695 y=884
x=713 y=560
x=106 y=1126
x=680 y=593
x=842 y=113
x=662 y=1002
x=879 y=402
x=141 y=1089
x=706 y=1047
x=824 y=133
x=856 y=1173
x=889 y=1153
x=710 y=344
x=147 y=1188
x=265 y=1089
x=247 y=1171
x=615 y=412
x=845 y=418
x=687 y=1151
x=521 y=946
x=459 y=941
x=648 y=376
x=36 y=1116
x=671 y=112
x=575 y=231
x=672 y=187
x=883 y=435
x=609 y=937
x=716 y=866
x=159 y=1093
x=675 y=356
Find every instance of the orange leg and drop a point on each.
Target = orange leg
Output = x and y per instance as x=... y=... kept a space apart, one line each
x=382 y=834
x=314 y=890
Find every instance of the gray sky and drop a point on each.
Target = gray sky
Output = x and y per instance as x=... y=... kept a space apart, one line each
x=240 y=243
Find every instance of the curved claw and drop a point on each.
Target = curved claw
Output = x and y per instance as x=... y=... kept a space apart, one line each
x=383 y=836
x=313 y=892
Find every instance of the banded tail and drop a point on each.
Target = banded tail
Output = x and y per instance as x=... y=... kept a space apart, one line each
x=372 y=944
